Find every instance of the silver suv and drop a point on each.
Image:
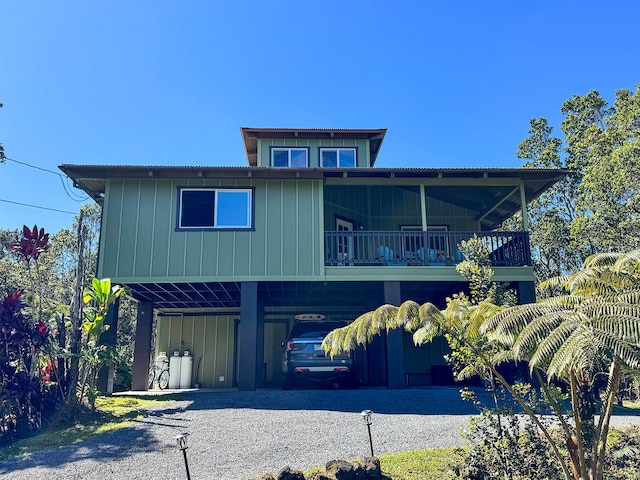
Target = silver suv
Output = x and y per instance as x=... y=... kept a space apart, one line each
x=305 y=364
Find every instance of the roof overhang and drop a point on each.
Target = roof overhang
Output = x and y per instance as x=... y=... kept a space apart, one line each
x=493 y=193
x=250 y=138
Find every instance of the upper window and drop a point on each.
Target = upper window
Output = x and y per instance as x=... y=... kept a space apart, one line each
x=221 y=208
x=289 y=157
x=338 y=157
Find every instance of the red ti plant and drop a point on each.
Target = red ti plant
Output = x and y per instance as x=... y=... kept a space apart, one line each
x=31 y=245
x=23 y=342
x=29 y=248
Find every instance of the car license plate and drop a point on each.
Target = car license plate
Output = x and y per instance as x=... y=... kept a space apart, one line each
x=317 y=347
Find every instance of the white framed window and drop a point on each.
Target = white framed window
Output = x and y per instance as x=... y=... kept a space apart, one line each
x=294 y=157
x=215 y=208
x=338 y=157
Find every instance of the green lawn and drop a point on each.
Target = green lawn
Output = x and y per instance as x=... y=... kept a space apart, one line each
x=429 y=464
x=112 y=413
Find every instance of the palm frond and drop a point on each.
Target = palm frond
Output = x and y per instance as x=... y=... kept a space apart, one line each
x=626 y=353
x=425 y=334
x=630 y=262
x=623 y=327
x=407 y=314
x=429 y=313
x=550 y=345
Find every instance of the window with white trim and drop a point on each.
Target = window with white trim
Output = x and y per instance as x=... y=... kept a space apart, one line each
x=289 y=157
x=215 y=208
x=338 y=157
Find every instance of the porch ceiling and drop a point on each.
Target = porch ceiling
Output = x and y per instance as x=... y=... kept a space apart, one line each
x=286 y=297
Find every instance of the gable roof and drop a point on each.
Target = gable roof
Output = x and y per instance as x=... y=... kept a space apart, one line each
x=250 y=138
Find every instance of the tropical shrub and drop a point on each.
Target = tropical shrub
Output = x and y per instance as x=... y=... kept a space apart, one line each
x=24 y=344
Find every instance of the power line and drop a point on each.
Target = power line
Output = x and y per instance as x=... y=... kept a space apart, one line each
x=72 y=195
x=38 y=206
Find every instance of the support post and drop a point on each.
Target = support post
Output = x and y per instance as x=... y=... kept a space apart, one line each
x=247 y=371
x=395 y=350
x=142 y=348
x=106 y=375
x=526 y=292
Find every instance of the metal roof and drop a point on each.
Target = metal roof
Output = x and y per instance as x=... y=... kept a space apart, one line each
x=492 y=203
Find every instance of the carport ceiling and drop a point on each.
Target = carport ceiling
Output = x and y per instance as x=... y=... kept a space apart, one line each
x=300 y=297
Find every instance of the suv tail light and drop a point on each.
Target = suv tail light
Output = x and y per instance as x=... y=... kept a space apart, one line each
x=289 y=345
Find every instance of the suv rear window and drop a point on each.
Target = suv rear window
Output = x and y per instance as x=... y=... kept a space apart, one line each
x=313 y=329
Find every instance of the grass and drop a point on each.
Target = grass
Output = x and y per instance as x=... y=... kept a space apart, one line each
x=112 y=413
x=429 y=464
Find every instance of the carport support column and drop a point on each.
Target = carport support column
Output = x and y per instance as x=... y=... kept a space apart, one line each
x=526 y=292
x=248 y=370
x=395 y=351
x=142 y=348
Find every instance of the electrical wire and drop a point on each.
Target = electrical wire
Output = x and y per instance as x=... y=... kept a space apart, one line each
x=38 y=206
x=70 y=193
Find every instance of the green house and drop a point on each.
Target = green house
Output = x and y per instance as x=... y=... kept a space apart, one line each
x=225 y=258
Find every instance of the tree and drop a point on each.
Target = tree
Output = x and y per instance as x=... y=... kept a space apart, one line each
x=597 y=207
x=584 y=338
x=590 y=333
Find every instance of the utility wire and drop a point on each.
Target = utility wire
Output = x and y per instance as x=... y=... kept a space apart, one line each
x=37 y=206
x=71 y=194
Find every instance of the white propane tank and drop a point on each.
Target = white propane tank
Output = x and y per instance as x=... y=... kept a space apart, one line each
x=185 y=370
x=174 y=370
x=162 y=360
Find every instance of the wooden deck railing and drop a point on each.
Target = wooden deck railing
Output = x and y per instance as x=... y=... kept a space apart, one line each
x=362 y=248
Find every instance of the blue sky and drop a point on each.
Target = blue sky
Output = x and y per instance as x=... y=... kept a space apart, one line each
x=171 y=83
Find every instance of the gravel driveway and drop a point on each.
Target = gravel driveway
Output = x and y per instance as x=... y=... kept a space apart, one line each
x=236 y=435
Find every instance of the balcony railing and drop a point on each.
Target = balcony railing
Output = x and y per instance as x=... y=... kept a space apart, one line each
x=363 y=248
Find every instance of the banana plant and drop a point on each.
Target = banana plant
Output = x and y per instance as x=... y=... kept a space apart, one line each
x=101 y=294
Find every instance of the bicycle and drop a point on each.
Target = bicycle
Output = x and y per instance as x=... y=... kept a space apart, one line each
x=159 y=374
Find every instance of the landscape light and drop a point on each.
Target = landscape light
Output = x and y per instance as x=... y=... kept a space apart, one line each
x=182 y=445
x=366 y=415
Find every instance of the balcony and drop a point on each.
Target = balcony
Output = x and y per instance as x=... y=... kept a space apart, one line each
x=423 y=248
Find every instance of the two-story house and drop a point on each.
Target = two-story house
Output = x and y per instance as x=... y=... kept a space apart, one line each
x=225 y=258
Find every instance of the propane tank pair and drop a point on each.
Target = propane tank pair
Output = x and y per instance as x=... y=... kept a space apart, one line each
x=180 y=369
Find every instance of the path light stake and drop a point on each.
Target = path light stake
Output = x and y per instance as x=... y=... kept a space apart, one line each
x=182 y=445
x=366 y=415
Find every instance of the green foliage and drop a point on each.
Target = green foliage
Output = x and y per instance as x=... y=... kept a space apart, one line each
x=582 y=337
x=596 y=208
x=101 y=295
x=504 y=445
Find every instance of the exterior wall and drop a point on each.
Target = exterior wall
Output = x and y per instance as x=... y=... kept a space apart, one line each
x=140 y=241
x=210 y=338
x=264 y=153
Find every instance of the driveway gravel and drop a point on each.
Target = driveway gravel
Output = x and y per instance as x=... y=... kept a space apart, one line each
x=236 y=435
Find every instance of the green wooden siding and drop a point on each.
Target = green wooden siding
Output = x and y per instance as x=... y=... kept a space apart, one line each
x=140 y=240
x=209 y=338
x=264 y=151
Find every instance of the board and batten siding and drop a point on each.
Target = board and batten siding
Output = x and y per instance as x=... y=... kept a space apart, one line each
x=209 y=338
x=362 y=146
x=140 y=241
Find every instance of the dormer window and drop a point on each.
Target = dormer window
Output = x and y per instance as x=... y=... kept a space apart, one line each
x=289 y=157
x=338 y=157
